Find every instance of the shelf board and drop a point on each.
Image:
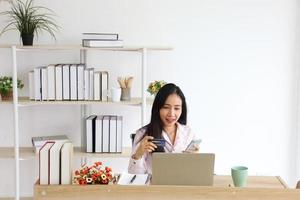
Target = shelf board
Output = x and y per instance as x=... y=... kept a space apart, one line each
x=12 y=198
x=24 y=101
x=79 y=47
x=28 y=153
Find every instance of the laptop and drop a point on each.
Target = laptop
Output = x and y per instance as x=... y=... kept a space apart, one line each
x=183 y=169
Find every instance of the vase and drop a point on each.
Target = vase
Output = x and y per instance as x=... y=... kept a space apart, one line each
x=7 y=96
x=125 y=94
x=27 y=39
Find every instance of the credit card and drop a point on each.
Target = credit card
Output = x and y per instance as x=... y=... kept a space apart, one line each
x=159 y=142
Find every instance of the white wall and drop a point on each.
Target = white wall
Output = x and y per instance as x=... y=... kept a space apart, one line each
x=235 y=60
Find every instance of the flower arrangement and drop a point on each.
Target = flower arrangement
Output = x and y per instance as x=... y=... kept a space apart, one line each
x=155 y=86
x=96 y=174
x=6 y=84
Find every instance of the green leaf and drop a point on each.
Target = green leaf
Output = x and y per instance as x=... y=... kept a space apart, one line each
x=30 y=19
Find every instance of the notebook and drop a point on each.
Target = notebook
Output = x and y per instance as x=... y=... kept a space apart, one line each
x=183 y=169
x=133 y=179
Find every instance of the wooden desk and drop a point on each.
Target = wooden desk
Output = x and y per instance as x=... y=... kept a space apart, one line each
x=253 y=182
x=267 y=188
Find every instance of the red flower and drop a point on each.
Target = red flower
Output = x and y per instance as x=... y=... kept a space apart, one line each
x=94 y=174
x=107 y=169
x=109 y=176
x=82 y=182
x=105 y=181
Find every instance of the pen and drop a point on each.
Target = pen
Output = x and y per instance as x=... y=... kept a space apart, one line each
x=133 y=178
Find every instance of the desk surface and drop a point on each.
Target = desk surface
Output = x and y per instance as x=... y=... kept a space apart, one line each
x=267 y=188
x=253 y=182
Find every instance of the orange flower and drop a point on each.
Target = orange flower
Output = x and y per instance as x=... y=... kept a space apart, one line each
x=107 y=169
x=95 y=174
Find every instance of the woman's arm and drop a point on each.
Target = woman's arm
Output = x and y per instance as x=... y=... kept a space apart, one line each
x=140 y=151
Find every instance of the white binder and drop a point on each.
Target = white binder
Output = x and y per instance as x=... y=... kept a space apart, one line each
x=37 y=84
x=104 y=85
x=98 y=136
x=58 y=82
x=86 y=84
x=119 y=133
x=97 y=86
x=113 y=134
x=80 y=82
x=105 y=134
x=31 y=85
x=73 y=82
x=51 y=82
x=66 y=81
x=91 y=84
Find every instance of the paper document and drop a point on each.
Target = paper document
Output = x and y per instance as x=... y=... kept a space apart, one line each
x=133 y=179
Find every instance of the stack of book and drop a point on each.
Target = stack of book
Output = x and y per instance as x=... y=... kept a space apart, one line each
x=68 y=82
x=55 y=161
x=105 y=40
x=104 y=134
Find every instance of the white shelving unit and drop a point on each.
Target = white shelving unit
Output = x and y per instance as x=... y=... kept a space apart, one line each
x=20 y=153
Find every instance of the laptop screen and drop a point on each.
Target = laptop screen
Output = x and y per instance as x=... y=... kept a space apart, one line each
x=183 y=169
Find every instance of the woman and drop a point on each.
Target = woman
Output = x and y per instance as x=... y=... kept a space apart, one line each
x=168 y=121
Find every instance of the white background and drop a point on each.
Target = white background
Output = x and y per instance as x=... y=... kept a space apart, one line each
x=235 y=60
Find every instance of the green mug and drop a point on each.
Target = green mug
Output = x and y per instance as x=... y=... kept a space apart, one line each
x=239 y=176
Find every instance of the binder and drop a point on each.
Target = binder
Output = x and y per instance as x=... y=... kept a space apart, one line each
x=113 y=134
x=44 y=163
x=100 y=36
x=98 y=136
x=91 y=84
x=119 y=133
x=37 y=84
x=86 y=84
x=105 y=134
x=66 y=163
x=31 y=85
x=51 y=82
x=73 y=82
x=80 y=82
x=54 y=162
x=44 y=84
x=97 y=86
x=90 y=134
x=66 y=81
x=58 y=82
x=104 y=85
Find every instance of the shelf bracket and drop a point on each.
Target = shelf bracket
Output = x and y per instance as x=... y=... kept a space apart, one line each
x=16 y=122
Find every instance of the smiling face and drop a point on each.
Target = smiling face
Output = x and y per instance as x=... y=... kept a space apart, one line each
x=171 y=111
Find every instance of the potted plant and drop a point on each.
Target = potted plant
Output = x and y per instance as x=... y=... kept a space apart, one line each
x=29 y=20
x=155 y=86
x=6 y=87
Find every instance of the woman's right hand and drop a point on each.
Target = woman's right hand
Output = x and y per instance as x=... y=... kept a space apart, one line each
x=144 y=146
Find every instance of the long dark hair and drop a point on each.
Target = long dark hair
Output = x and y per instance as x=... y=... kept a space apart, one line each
x=155 y=127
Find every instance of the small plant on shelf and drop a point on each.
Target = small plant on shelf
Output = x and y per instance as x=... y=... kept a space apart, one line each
x=6 y=87
x=29 y=20
x=95 y=174
x=155 y=86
